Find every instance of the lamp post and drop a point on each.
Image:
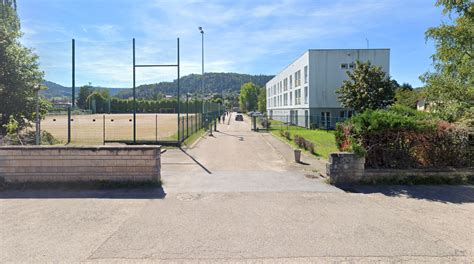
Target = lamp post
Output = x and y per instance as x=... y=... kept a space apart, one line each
x=202 y=72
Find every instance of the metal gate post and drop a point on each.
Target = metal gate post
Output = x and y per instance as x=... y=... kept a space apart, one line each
x=69 y=125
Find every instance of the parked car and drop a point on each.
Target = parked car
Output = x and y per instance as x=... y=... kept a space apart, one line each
x=239 y=117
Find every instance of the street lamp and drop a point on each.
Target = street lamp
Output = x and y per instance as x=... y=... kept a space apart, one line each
x=202 y=71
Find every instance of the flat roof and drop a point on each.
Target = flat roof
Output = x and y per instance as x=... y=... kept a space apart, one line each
x=309 y=50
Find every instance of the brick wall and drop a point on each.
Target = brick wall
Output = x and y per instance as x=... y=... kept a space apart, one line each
x=79 y=163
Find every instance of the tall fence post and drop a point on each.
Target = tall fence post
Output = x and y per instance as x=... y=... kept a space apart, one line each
x=69 y=125
x=103 y=129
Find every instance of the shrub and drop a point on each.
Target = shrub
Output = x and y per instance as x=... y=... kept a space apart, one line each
x=286 y=134
x=401 y=137
x=304 y=144
x=266 y=123
x=29 y=138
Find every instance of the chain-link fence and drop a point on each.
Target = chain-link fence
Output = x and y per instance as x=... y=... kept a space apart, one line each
x=280 y=122
x=85 y=127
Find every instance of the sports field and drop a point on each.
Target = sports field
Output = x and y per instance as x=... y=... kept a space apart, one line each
x=94 y=129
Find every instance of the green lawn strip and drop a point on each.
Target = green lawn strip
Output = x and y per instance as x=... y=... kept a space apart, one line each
x=192 y=138
x=324 y=141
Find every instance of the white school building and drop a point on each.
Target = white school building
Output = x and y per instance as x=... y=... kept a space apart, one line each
x=304 y=93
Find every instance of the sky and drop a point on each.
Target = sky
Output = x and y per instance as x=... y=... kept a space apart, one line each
x=244 y=36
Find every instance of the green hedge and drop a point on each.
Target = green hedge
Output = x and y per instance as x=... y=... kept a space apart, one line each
x=400 y=137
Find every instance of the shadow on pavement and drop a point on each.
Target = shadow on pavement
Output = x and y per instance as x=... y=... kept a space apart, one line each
x=195 y=160
x=438 y=193
x=241 y=138
x=122 y=193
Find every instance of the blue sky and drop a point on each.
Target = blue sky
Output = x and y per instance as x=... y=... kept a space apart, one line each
x=256 y=37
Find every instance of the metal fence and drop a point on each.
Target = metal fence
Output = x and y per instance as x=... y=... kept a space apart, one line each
x=286 y=121
x=84 y=127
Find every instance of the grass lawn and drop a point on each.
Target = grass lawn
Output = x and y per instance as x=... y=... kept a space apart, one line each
x=192 y=138
x=323 y=140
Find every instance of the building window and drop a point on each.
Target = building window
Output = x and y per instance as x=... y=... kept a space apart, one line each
x=305 y=74
x=306 y=94
x=298 y=97
x=350 y=113
x=285 y=84
x=291 y=98
x=325 y=119
x=297 y=78
x=352 y=66
x=344 y=66
x=285 y=99
x=291 y=81
x=281 y=86
x=342 y=114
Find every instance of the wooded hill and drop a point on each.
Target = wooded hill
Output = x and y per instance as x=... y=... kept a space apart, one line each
x=213 y=83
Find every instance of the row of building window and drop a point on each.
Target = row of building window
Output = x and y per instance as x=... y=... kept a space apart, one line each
x=346 y=66
x=282 y=99
x=282 y=86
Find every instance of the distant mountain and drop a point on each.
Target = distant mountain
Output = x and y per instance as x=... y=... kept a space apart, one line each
x=56 y=90
x=213 y=83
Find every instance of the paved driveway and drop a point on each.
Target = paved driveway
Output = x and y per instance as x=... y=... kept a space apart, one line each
x=236 y=159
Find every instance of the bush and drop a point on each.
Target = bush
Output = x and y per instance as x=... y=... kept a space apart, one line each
x=401 y=137
x=286 y=134
x=29 y=138
x=304 y=144
x=266 y=123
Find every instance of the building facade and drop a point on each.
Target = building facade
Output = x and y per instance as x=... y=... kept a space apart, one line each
x=304 y=93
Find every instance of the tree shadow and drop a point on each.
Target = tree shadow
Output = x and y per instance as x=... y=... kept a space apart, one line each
x=63 y=191
x=458 y=194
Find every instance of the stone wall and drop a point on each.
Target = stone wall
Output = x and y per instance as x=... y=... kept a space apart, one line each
x=80 y=163
x=346 y=168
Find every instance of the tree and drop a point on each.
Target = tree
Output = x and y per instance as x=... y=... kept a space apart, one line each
x=368 y=87
x=262 y=100
x=450 y=88
x=406 y=86
x=248 y=98
x=20 y=76
x=408 y=97
x=99 y=101
x=84 y=93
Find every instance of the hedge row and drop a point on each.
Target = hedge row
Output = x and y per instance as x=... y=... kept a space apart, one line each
x=404 y=138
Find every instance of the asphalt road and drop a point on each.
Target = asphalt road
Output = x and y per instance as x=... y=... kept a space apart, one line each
x=233 y=200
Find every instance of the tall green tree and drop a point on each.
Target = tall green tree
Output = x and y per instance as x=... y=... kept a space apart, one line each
x=450 y=88
x=368 y=87
x=248 y=98
x=20 y=76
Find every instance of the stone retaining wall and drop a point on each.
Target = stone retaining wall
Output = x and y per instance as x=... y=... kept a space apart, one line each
x=347 y=168
x=80 y=163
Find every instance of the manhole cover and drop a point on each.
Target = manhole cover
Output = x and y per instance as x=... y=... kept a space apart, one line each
x=188 y=196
